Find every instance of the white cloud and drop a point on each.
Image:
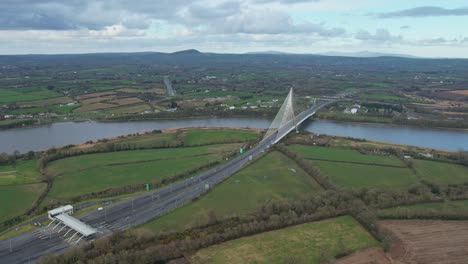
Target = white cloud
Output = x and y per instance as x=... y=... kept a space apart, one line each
x=380 y=35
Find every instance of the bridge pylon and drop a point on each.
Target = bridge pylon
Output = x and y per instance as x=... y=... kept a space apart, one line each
x=285 y=115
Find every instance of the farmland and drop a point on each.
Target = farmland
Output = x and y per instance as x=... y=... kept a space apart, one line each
x=272 y=177
x=16 y=199
x=438 y=210
x=441 y=173
x=349 y=168
x=146 y=163
x=114 y=169
x=10 y=96
x=204 y=136
x=277 y=192
x=132 y=87
x=345 y=155
x=460 y=92
x=21 y=173
x=314 y=242
x=429 y=241
x=367 y=176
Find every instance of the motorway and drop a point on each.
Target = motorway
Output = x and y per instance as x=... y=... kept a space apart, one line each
x=29 y=246
x=168 y=84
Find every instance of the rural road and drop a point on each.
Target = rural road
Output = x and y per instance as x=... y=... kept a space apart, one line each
x=29 y=246
x=168 y=84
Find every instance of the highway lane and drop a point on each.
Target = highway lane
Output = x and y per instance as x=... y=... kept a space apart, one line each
x=29 y=246
x=168 y=84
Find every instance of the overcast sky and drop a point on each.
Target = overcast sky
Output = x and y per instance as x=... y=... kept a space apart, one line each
x=418 y=27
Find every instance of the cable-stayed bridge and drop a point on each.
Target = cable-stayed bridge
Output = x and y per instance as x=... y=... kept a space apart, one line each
x=28 y=246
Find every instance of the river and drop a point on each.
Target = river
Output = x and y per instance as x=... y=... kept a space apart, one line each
x=60 y=134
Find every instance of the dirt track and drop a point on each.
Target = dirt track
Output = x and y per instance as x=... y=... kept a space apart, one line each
x=429 y=241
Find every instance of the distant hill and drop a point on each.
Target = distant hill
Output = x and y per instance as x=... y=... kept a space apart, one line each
x=269 y=52
x=360 y=54
x=365 y=54
x=189 y=51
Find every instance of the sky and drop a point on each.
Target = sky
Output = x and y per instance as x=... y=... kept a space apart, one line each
x=426 y=28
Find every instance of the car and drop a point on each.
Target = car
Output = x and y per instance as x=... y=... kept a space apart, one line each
x=100 y=209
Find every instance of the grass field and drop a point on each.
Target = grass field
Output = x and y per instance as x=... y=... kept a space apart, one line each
x=382 y=96
x=351 y=169
x=367 y=176
x=315 y=242
x=440 y=208
x=210 y=136
x=16 y=199
x=441 y=173
x=347 y=155
x=93 y=107
x=130 y=109
x=24 y=172
x=353 y=118
x=8 y=96
x=50 y=109
x=151 y=139
x=95 y=172
x=85 y=162
x=45 y=102
x=126 y=101
x=272 y=177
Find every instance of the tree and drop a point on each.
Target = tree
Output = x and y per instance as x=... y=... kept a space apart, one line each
x=173 y=104
x=30 y=154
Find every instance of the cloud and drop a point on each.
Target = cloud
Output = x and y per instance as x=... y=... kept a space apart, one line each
x=285 y=1
x=381 y=35
x=199 y=11
x=253 y=20
x=205 y=16
x=441 y=41
x=426 y=11
x=89 y=14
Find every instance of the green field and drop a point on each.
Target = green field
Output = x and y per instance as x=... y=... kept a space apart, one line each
x=99 y=160
x=96 y=172
x=346 y=155
x=50 y=109
x=315 y=242
x=211 y=136
x=16 y=199
x=24 y=172
x=439 y=209
x=367 y=176
x=272 y=177
x=382 y=96
x=9 y=96
x=151 y=140
x=461 y=205
x=441 y=173
x=351 y=169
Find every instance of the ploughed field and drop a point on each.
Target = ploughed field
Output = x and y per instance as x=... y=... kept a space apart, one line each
x=429 y=241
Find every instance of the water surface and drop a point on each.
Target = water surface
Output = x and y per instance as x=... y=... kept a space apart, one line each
x=60 y=134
